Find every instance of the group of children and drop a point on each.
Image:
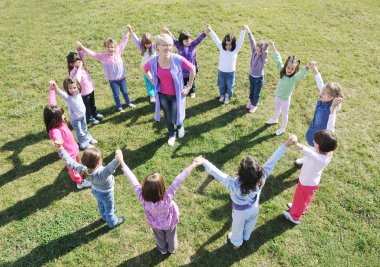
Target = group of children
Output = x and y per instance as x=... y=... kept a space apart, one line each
x=160 y=210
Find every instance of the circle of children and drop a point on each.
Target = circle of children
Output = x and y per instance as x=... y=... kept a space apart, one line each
x=169 y=78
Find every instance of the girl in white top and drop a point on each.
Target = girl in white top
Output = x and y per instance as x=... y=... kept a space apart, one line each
x=229 y=49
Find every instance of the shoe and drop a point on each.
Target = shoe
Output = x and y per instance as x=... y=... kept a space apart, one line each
x=226 y=99
x=84 y=184
x=121 y=110
x=289 y=217
x=87 y=147
x=131 y=105
x=152 y=99
x=181 y=132
x=171 y=140
x=221 y=99
x=119 y=221
x=192 y=95
x=290 y=204
x=172 y=252
x=297 y=164
x=271 y=121
x=94 y=142
x=252 y=109
x=94 y=121
x=229 y=242
x=99 y=116
x=280 y=131
x=249 y=105
x=162 y=252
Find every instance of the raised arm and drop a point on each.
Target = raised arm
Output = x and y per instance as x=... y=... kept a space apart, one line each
x=332 y=117
x=272 y=161
x=222 y=177
x=199 y=39
x=301 y=74
x=240 y=40
x=215 y=38
x=180 y=178
x=175 y=41
x=276 y=56
x=135 y=39
x=317 y=75
x=89 y=52
x=73 y=164
x=252 y=40
x=124 y=41
x=52 y=98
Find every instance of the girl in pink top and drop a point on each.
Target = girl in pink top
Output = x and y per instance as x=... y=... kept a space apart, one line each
x=114 y=67
x=160 y=210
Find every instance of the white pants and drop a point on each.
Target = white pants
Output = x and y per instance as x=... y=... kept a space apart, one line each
x=281 y=107
x=243 y=223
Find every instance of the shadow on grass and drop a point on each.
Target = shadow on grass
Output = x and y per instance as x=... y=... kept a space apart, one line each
x=227 y=256
x=61 y=187
x=63 y=245
x=17 y=146
x=149 y=258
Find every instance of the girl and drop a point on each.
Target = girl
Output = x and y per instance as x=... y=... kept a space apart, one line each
x=57 y=129
x=113 y=67
x=102 y=179
x=77 y=68
x=187 y=48
x=148 y=50
x=245 y=191
x=160 y=210
x=77 y=110
x=258 y=61
x=228 y=49
x=289 y=76
x=327 y=94
x=315 y=161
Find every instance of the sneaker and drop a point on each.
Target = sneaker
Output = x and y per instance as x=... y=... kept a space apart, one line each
x=252 y=109
x=229 y=242
x=290 y=204
x=121 y=110
x=88 y=147
x=249 y=105
x=84 y=184
x=94 y=121
x=131 y=105
x=162 y=252
x=94 y=142
x=289 y=217
x=171 y=140
x=152 y=99
x=172 y=252
x=99 y=116
x=271 y=121
x=181 y=132
x=221 y=99
x=280 y=131
x=192 y=95
x=226 y=99
x=119 y=221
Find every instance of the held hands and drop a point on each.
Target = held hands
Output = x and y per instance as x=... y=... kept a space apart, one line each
x=291 y=141
x=185 y=90
x=336 y=102
x=271 y=43
x=58 y=144
x=53 y=85
x=79 y=46
x=199 y=161
x=207 y=28
x=166 y=30
x=119 y=156
x=245 y=27
x=79 y=64
x=128 y=29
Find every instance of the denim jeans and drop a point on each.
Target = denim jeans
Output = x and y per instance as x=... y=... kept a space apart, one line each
x=149 y=86
x=168 y=104
x=89 y=102
x=255 y=85
x=192 y=89
x=122 y=84
x=226 y=83
x=106 y=205
x=81 y=131
x=243 y=223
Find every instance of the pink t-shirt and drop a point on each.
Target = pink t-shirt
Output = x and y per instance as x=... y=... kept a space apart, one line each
x=63 y=132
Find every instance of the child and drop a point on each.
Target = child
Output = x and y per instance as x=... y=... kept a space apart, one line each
x=327 y=93
x=77 y=110
x=58 y=130
x=187 y=48
x=315 y=161
x=160 y=210
x=102 y=179
x=289 y=76
x=256 y=76
x=148 y=50
x=245 y=191
x=77 y=68
x=228 y=49
x=114 y=68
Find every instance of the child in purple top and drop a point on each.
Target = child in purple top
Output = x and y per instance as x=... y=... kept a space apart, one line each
x=256 y=76
x=114 y=67
x=187 y=48
x=161 y=212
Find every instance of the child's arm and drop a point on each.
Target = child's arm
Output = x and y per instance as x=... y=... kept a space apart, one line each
x=73 y=164
x=264 y=53
x=146 y=69
x=301 y=74
x=175 y=41
x=199 y=39
x=81 y=54
x=215 y=38
x=239 y=43
x=78 y=70
x=124 y=41
x=251 y=39
x=332 y=117
x=222 y=177
x=191 y=68
x=317 y=75
x=135 y=39
x=52 y=99
x=110 y=168
x=276 y=56
x=89 y=52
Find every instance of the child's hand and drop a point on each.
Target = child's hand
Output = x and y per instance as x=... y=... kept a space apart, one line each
x=291 y=141
x=245 y=27
x=58 y=144
x=207 y=28
x=129 y=28
x=53 y=85
x=79 y=64
x=199 y=160
x=166 y=30
x=119 y=155
x=336 y=102
x=185 y=90
x=79 y=46
x=269 y=42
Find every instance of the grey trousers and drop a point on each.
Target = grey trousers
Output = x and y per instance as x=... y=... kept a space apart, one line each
x=166 y=239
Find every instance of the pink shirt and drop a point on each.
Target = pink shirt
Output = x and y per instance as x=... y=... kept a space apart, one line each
x=63 y=132
x=83 y=77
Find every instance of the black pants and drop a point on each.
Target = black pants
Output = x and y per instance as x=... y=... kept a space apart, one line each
x=89 y=102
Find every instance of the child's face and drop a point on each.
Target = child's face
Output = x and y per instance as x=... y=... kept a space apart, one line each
x=325 y=95
x=187 y=42
x=73 y=89
x=290 y=68
x=110 y=49
x=147 y=46
x=228 y=45
x=258 y=50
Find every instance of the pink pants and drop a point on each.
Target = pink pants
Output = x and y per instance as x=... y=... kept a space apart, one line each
x=281 y=107
x=301 y=200
x=75 y=176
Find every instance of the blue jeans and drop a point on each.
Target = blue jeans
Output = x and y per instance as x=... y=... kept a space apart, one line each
x=149 y=86
x=122 y=84
x=168 y=104
x=243 y=223
x=81 y=131
x=106 y=205
x=226 y=83
x=255 y=85
x=89 y=102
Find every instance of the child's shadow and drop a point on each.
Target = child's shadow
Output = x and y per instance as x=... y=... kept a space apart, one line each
x=148 y=258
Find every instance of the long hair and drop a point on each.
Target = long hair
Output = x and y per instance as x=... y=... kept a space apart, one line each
x=153 y=188
x=250 y=175
x=146 y=38
x=72 y=57
x=229 y=38
x=290 y=60
x=184 y=35
x=53 y=117
x=71 y=80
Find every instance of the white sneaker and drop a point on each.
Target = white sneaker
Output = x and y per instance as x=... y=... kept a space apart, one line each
x=252 y=109
x=181 y=132
x=271 y=121
x=300 y=161
x=171 y=141
x=221 y=99
x=280 y=131
x=131 y=105
x=84 y=184
x=192 y=95
x=226 y=99
x=248 y=106
x=289 y=217
x=152 y=99
x=290 y=205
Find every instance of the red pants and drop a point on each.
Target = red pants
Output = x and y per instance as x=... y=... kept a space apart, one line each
x=75 y=176
x=301 y=200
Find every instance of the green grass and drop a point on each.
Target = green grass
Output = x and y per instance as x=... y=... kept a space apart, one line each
x=44 y=220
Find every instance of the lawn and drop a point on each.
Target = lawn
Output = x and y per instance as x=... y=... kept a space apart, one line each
x=45 y=220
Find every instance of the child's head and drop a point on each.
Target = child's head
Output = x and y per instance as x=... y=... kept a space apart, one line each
x=71 y=85
x=325 y=141
x=291 y=66
x=72 y=58
x=110 y=46
x=53 y=117
x=229 y=42
x=153 y=188
x=259 y=47
x=92 y=158
x=146 y=43
x=184 y=38
x=331 y=91
x=250 y=175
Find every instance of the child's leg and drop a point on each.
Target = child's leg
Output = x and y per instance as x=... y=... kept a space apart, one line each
x=222 y=83
x=160 y=235
x=257 y=85
x=108 y=201
x=250 y=223
x=100 y=205
x=171 y=238
x=149 y=86
x=230 y=83
x=74 y=175
x=165 y=105
x=277 y=109
x=238 y=222
x=251 y=88
x=115 y=93
x=285 y=105
x=81 y=132
x=87 y=104
x=88 y=136
x=301 y=200
x=124 y=92
x=92 y=104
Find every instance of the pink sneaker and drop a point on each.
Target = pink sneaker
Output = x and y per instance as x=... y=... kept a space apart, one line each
x=249 y=105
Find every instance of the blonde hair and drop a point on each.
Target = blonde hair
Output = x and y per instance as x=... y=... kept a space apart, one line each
x=334 y=90
x=109 y=41
x=163 y=39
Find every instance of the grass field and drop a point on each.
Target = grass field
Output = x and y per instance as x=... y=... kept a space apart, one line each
x=45 y=220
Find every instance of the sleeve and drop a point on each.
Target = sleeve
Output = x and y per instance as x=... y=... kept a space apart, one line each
x=307 y=151
x=272 y=161
x=176 y=42
x=92 y=53
x=177 y=182
x=319 y=82
x=240 y=41
x=134 y=182
x=52 y=98
x=222 y=177
x=63 y=94
x=331 y=122
x=199 y=39
x=216 y=40
x=301 y=74
x=82 y=57
x=278 y=60
x=147 y=66
x=265 y=53
x=55 y=134
x=251 y=41
x=123 y=43
x=109 y=169
x=73 y=164
x=185 y=64
x=78 y=74
x=136 y=41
